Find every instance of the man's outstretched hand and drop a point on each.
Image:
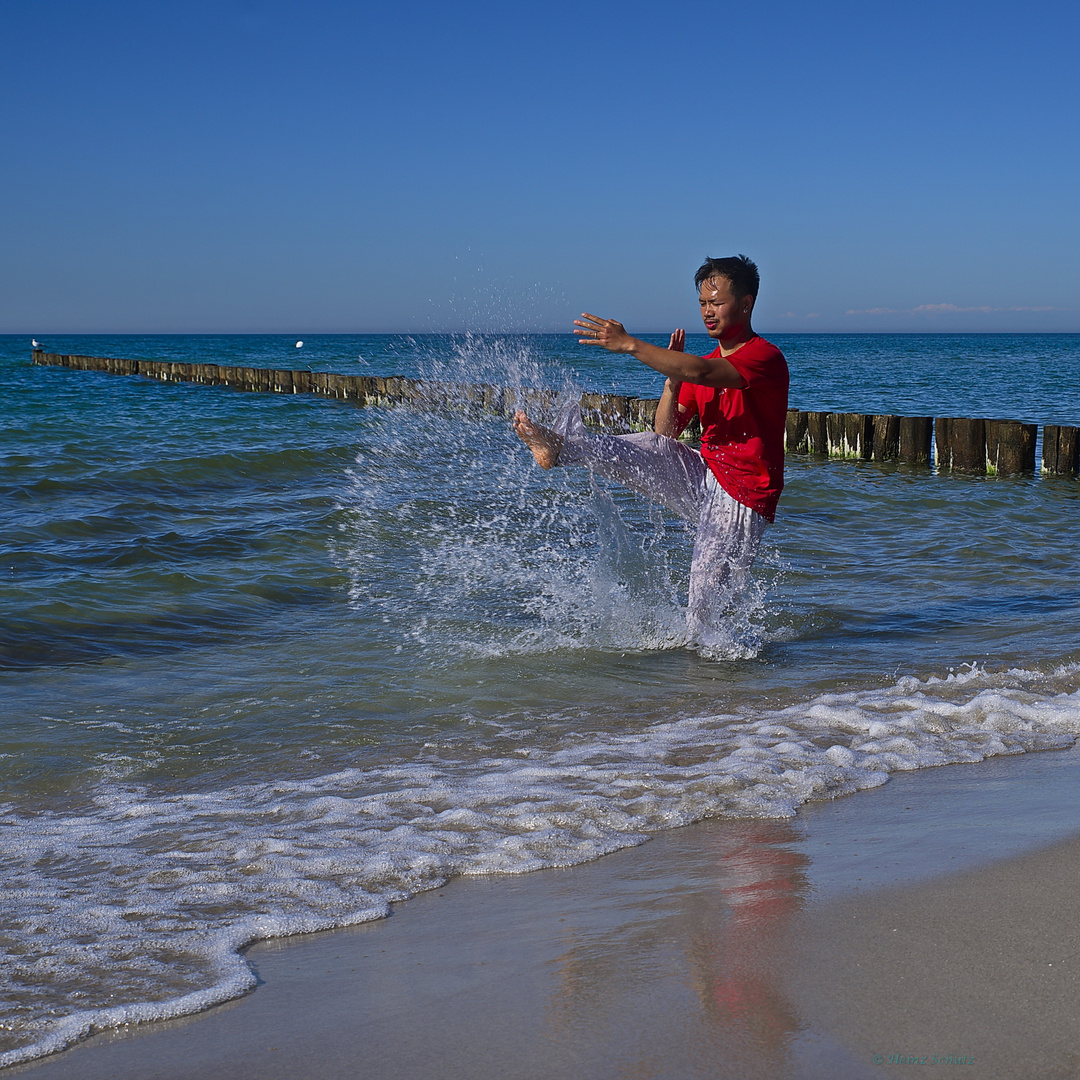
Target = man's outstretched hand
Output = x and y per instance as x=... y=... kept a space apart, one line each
x=611 y=335
x=608 y=333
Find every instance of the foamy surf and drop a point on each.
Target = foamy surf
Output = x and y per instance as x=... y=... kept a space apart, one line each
x=140 y=903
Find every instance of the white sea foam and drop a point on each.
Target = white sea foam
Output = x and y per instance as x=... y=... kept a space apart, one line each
x=139 y=905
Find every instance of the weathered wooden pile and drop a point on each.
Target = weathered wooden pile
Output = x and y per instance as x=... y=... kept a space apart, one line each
x=959 y=444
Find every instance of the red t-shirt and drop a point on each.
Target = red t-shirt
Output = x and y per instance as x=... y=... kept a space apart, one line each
x=742 y=431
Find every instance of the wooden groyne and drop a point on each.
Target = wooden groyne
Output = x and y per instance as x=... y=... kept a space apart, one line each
x=958 y=444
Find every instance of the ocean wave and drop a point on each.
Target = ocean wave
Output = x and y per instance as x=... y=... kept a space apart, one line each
x=136 y=908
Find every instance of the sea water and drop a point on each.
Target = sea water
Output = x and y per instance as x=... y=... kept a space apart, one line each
x=271 y=663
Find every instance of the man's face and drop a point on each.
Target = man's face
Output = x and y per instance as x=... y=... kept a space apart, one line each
x=723 y=315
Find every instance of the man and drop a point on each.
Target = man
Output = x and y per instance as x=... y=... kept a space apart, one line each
x=739 y=392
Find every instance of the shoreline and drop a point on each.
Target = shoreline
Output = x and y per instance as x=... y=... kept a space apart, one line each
x=932 y=916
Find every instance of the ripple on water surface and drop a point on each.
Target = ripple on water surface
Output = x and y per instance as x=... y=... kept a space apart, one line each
x=273 y=663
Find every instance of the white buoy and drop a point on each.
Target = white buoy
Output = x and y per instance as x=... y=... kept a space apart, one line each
x=299 y=344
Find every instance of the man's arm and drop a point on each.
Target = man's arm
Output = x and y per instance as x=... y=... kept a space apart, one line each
x=678 y=366
x=669 y=412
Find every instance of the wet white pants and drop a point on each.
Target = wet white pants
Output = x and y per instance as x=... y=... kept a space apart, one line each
x=675 y=475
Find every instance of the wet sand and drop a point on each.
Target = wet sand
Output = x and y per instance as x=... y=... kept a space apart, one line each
x=937 y=916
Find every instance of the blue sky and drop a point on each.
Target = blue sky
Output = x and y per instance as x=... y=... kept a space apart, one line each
x=338 y=167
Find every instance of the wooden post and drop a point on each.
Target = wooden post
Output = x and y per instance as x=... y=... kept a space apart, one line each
x=1010 y=447
x=643 y=413
x=834 y=429
x=861 y=426
x=885 y=438
x=942 y=443
x=969 y=445
x=961 y=444
x=858 y=435
x=608 y=411
x=494 y=401
x=536 y=401
x=468 y=397
x=590 y=409
x=817 y=432
x=692 y=431
x=916 y=439
x=795 y=441
x=332 y=385
x=1061 y=450
x=617 y=413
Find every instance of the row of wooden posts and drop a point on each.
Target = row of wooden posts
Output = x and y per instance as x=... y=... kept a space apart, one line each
x=956 y=443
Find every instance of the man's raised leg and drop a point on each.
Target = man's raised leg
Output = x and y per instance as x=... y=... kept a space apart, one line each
x=662 y=469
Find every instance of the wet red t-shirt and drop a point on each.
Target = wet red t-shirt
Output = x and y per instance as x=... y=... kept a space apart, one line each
x=742 y=431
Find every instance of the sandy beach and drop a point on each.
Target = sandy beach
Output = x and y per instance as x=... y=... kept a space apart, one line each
x=927 y=925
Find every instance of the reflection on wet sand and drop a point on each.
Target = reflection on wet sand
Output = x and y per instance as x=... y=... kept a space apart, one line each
x=707 y=951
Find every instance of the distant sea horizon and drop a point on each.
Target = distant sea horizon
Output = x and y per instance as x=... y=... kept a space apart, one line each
x=38 y=333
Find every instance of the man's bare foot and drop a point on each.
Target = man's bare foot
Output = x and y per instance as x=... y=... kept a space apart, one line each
x=544 y=444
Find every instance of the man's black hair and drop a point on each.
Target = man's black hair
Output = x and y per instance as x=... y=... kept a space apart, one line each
x=738 y=269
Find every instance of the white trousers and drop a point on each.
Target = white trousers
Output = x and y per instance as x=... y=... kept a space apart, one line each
x=675 y=475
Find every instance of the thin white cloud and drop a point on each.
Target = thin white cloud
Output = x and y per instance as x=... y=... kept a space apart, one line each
x=953 y=307
x=937 y=309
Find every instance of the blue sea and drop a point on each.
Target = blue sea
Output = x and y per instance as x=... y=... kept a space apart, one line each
x=271 y=663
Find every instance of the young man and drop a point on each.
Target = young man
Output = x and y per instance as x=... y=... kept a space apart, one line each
x=739 y=392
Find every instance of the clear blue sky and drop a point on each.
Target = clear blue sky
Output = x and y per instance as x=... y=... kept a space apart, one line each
x=267 y=165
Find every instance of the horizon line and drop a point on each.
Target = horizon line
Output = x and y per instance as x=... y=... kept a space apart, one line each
x=515 y=333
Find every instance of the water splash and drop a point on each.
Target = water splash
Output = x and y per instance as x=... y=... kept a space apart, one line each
x=496 y=556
